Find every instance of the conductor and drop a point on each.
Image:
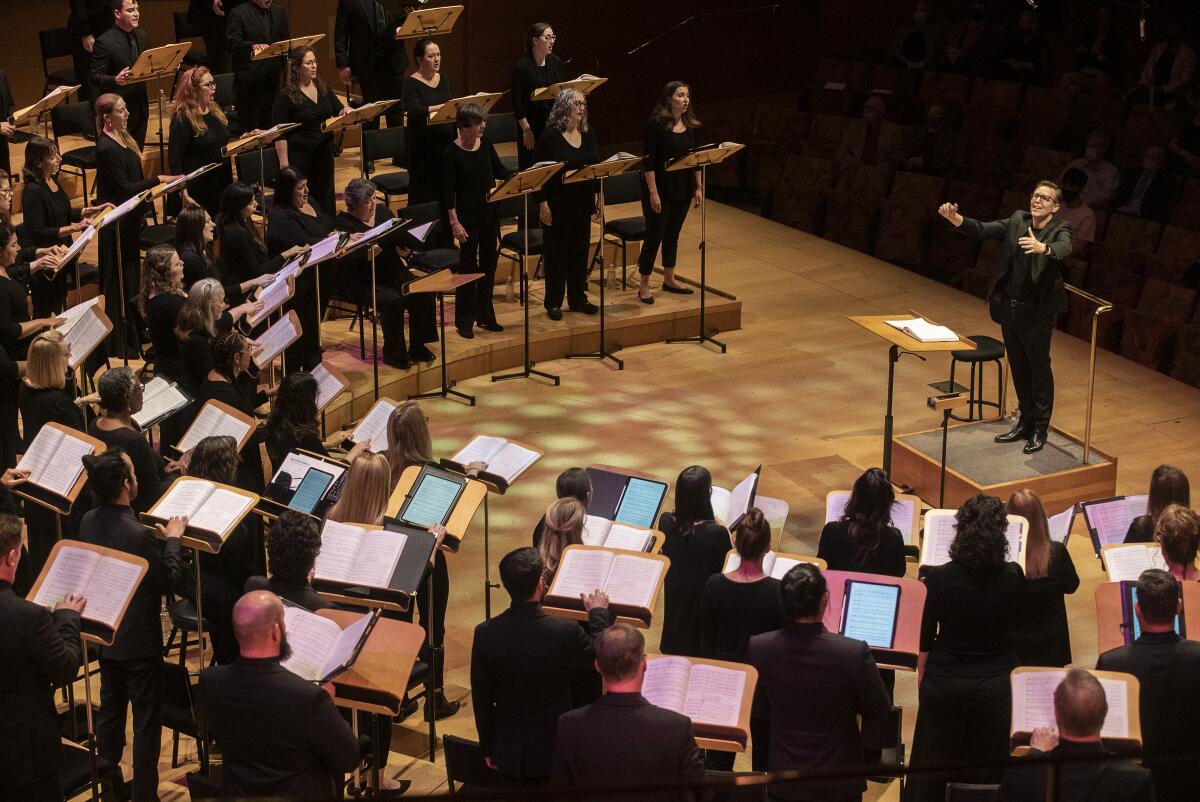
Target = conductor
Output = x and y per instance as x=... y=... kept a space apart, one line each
x=1026 y=296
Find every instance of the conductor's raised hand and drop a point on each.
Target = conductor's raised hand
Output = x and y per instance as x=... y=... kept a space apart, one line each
x=1031 y=244
x=72 y=601
x=596 y=600
x=950 y=212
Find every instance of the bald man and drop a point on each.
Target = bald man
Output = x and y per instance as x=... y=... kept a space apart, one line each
x=279 y=735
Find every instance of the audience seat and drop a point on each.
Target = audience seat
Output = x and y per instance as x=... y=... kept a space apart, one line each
x=929 y=190
x=1043 y=113
x=1075 y=271
x=1186 y=364
x=799 y=200
x=992 y=93
x=1186 y=215
x=1045 y=162
x=850 y=220
x=949 y=254
x=825 y=135
x=1177 y=251
x=1115 y=275
x=901 y=235
x=946 y=87
x=1147 y=340
x=1132 y=234
x=1190 y=192
x=868 y=181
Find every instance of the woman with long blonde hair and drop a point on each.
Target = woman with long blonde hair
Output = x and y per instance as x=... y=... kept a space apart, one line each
x=365 y=494
x=1040 y=633
x=199 y=129
x=564 y=527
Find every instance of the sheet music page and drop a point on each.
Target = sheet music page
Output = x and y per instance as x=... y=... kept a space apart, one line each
x=1014 y=534
x=70 y=572
x=273 y=296
x=66 y=463
x=312 y=639
x=1116 y=723
x=113 y=582
x=714 y=695
x=632 y=581
x=220 y=511
x=902 y=518
x=296 y=465
x=581 y=571
x=340 y=544
x=482 y=447
x=1111 y=519
x=666 y=682
x=165 y=399
x=734 y=562
x=639 y=502
x=1033 y=699
x=184 y=499
x=328 y=386
x=323 y=250
x=85 y=334
x=1126 y=563
x=627 y=538
x=119 y=212
x=595 y=530
x=276 y=338
x=373 y=427
x=722 y=503
x=781 y=565
x=870 y=614
x=511 y=461
x=40 y=453
x=835 y=505
x=81 y=242
x=343 y=648
x=378 y=554
x=431 y=501
x=213 y=422
x=72 y=315
x=739 y=497
x=941 y=526
x=1060 y=525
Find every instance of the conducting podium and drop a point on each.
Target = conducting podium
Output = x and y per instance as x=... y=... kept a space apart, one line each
x=441 y=283
x=620 y=163
x=157 y=64
x=102 y=221
x=422 y=22
x=523 y=184
x=902 y=342
x=700 y=159
x=356 y=118
x=585 y=84
x=448 y=111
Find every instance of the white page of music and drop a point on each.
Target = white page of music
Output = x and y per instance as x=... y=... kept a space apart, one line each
x=511 y=461
x=343 y=648
x=185 y=499
x=714 y=695
x=1111 y=519
x=739 y=497
x=296 y=465
x=1060 y=524
x=323 y=250
x=166 y=398
x=582 y=571
x=65 y=465
x=1014 y=534
x=339 y=550
x=213 y=422
x=311 y=638
x=69 y=573
x=112 y=583
x=328 y=387
x=940 y=529
x=627 y=538
x=1116 y=722
x=83 y=337
x=377 y=557
x=373 y=427
x=902 y=513
x=781 y=565
x=273 y=296
x=1126 y=563
x=72 y=315
x=482 y=447
x=276 y=338
x=220 y=510
x=595 y=530
x=632 y=580
x=722 y=501
x=1033 y=699
x=666 y=682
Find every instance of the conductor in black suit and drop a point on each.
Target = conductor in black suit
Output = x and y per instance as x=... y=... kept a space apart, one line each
x=813 y=685
x=365 y=47
x=1026 y=295
x=522 y=663
x=1168 y=672
x=1079 y=710
x=249 y=28
x=280 y=735
x=622 y=739
x=116 y=50
x=39 y=650
x=131 y=669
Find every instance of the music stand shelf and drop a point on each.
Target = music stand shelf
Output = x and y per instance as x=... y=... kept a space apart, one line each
x=429 y=22
x=441 y=283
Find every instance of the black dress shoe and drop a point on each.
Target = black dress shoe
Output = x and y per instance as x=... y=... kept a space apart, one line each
x=443 y=707
x=493 y=326
x=401 y=362
x=554 y=313
x=467 y=333
x=422 y=354
x=586 y=308
x=678 y=290
x=648 y=300
x=1019 y=431
x=1036 y=442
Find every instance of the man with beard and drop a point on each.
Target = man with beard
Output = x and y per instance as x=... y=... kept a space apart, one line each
x=131 y=669
x=279 y=734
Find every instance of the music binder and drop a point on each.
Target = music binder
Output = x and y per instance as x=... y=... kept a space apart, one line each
x=106 y=577
x=584 y=83
x=322 y=649
x=716 y=695
x=1033 y=703
x=906 y=512
x=257 y=141
x=330 y=384
x=1108 y=519
x=730 y=506
x=373 y=428
x=274 y=295
x=775 y=563
x=216 y=418
x=941 y=527
x=372 y=563
x=277 y=338
x=55 y=463
x=507 y=460
x=159 y=190
x=1127 y=561
x=160 y=400
x=448 y=111
x=35 y=110
x=213 y=510
x=632 y=581
x=610 y=535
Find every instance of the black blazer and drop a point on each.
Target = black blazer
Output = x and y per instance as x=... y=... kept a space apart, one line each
x=280 y=736
x=1089 y=781
x=522 y=663
x=302 y=594
x=814 y=685
x=39 y=650
x=248 y=25
x=116 y=527
x=1168 y=672
x=1040 y=632
x=1046 y=268
x=360 y=44
x=112 y=54
x=624 y=740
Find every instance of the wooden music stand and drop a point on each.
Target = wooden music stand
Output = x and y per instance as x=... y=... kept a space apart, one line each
x=1110 y=617
x=448 y=111
x=285 y=46
x=181 y=183
x=33 y=113
x=102 y=221
x=429 y=22
x=1132 y=698
x=249 y=420
x=355 y=118
x=714 y=741
x=580 y=614
x=903 y=656
x=701 y=159
x=523 y=184
x=461 y=516
x=586 y=84
x=156 y=64
x=259 y=142
x=441 y=283
x=900 y=343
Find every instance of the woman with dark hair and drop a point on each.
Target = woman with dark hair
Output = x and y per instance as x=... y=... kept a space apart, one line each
x=1040 y=632
x=243 y=252
x=566 y=210
x=470 y=168
x=120 y=399
x=293 y=543
x=537 y=67
x=571 y=483
x=696 y=545
x=967 y=654
x=1177 y=532
x=736 y=606
x=229 y=383
x=1168 y=485
x=194 y=233
x=425 y=89
x=864 y=539
x=293 y=421
x=672 y=131
x=306 y=100
x=199 y=130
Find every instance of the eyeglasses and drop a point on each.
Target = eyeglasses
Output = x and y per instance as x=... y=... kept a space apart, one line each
x=208 y=85
x=548 y=37
x=1043 y=198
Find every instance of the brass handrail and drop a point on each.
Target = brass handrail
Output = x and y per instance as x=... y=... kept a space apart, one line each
x=1102 y=306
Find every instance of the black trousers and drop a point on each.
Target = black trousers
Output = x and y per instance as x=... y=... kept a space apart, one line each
x=566 y=256
x=434 y=618
x=959 y=719
x=1027 y=332
x=305 y=353
x=473 y=302
x=256 y=92
x=381 y=84
x=117 y=295
x=391 y=305
x=43 y=789
x=139 y=119
x=316 y=165
x=214 y=47
x=662 y=229
x=49 y=293
x=139 y=682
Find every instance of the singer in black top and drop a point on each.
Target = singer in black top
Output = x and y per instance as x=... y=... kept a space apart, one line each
x=115 y=51
x=199 y=129
x=308 y=101
x=88 y=20
x=672 y=131
x=566 y=209
x=470 y=167
x=203 y=17
x=537 y=67
x=425 y=88
x=243 y=252
x=50 y=219
x=7 y=107
x=253 y=24
x=365 y=48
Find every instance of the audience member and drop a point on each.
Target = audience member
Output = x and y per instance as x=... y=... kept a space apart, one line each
x=120 y=399
x=571 y=483
x=1177 y=531
x=279 y=735
x=864 y=539
x=813 y=685
x=1169 y=68
x=131 y=669
x=1080 y=708
x=934 y=148
x=1077 y=214
x=1099 y=56
x=1149 y=192
x=971 y=43
x=1040 y=633
x=1168 y=485
x=522 y=664
x=1168 y=672
x=1025 y=57
x=293 y=543
x=871 y=141
x=917 y=41
x=564 y=527
x=1103 y=178
x=623 y=739
x=1185 y=147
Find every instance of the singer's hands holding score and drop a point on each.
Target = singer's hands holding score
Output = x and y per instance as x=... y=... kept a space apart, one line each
x=14 y=477
x=174 y=528
x=596 y=600
x=72 y=601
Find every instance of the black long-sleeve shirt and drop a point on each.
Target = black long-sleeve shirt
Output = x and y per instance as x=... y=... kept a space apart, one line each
x=45 y=212
x=188 y=151
x=527 y=77
x=14 y=310
x=162 y=313
x=695 y=556
x=46 y=405
x=968 y=616
x=731 y=613
x=552 y=146
x=1040 y=632
x=119 y=176
x=842 y=554
x=288 y=227
x=308 y=137
x=660 y=146
x=468 y=176
x=243 y=255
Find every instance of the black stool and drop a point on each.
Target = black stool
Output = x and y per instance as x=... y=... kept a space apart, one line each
x=986 y=350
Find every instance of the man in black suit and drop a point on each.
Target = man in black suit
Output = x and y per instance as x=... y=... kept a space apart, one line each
x=365 y=47
x=813 y=685
x=1083 y=775
x=522 y=663
x=209 y=18
x=623 y=740
x=131 y=669
x=280 y=735
x=1027 y=296
x=39 y=650
x=1168 y=672
x=117 y=49
x=1149 y=192
x=251 y=27
x=87 y=20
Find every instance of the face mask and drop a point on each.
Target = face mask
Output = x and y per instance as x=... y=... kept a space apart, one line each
x=1070 y=195
x=1092 y=154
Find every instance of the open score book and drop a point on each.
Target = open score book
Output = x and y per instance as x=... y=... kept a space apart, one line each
x=212 y=510
x=505 y=459
x=1033 y=702
x=1108 y=519
x=160 y=399
x=373 y=427
x=941 y=526
x=55 y=458
x=603 y=532
x=105 y=577
x=775 y=564
x=730 y=505
x=711 y=695
x=1126 y=562
x=632 y=581
x=320 y=648
x=214 y=420
x=921 y=329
